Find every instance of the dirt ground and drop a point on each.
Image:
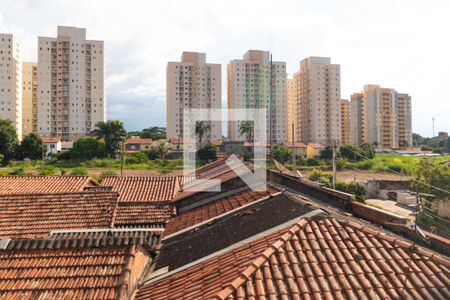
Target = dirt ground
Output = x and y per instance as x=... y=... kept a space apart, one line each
x=358 y=175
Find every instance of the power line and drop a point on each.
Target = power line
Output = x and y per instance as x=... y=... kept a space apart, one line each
x=399 y=173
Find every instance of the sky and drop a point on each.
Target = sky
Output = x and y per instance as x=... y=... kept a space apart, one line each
x=397 y=44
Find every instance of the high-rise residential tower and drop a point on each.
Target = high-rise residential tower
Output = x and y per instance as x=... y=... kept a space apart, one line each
x=385 y=117
x=29 y=98
x=317 y=94
x=71 y=91
x=11 y=81
x=292 y=120
x=192 y=83
x=258 y=82
x=345 y=122
x=356 y=118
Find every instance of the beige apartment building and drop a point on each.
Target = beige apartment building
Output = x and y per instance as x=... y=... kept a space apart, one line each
x=71 y=91
x=292 y=121
x=316 y=98
x=29 y=98
x=356 y=118
x=11 y=81
x=192 y=83
x=385 y=117
x=345 y=122
x=258 y=82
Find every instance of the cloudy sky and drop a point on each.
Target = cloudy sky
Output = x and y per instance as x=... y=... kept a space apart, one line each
x=400 y=44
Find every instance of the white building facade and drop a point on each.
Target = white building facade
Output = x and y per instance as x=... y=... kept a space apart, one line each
x=316 y=98
x=71 y=90
x=192 y=83
x=11 y=81
x=258 y=82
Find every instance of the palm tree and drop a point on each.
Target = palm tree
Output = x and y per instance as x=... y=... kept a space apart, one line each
x=246 y=128
x=113 y=133
x=201 y=128
x=162 y=150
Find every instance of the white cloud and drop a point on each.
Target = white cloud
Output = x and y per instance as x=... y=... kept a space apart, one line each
x=399 y=44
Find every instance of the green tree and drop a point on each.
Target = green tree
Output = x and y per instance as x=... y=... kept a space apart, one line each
x=154 y=133
x=282 y=154
x=113 y=133
x=162 y=150
x=32 y=147
x=87 y=148
x=208 y=152
x=8 y=140
x=246 y=128
x=430 y=174
x=326 y=153
x=201 y=128
x=447 y=145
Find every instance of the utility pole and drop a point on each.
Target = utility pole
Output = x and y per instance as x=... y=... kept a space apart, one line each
x=334 y=164
x=121 y=160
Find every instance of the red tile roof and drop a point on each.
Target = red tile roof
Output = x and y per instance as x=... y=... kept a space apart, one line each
x=139 y=141
x=50 y=139
x=44 y=184
x=138 y=213
x=322 y=258
x=315 y=145
x=86 y=273
x=214 y=209
x=143 y=188
x=296 y=144
x=35 y=215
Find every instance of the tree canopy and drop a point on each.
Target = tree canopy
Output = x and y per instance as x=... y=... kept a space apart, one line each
x=113 y=133
x=8 y=140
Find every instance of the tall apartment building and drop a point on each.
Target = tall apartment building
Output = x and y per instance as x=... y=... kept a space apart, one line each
x=356 y=121
x=71 y=92
x=192 y=83
x=385 y=117
x=317 y=95
x=258 y=82
x=345 y=122
x=291 y=110
x=29 y=98
x=11 y=81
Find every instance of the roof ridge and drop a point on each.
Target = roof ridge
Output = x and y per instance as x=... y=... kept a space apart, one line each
x=85 y=192
x=260 y=260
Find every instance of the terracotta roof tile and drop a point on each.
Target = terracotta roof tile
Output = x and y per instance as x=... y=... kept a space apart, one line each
x=35 y=215
x=138 y=213
x=140 y=141
x=50 y=139
x=70 y=273
x=44 y=184
x=214 y=209
x=298 y=263
x=143 y=188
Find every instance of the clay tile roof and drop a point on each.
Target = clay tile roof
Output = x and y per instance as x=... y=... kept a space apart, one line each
x=104 y=237
x=296 y=144
x=44 y=184
x=214 y=209
x=71 y=273
x=138 y=213
x=315 y=145
x=50 y=139
x=158 y=188
x=139 y=141
x=35 y=215
x=314 y=258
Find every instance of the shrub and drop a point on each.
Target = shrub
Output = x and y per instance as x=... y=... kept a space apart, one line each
x=312 y=162
x=137 y=158
x=325 y=178
x=79 y=171
x=352 y=188
x=282 y=154
x=18 y=170
x=208 y=152
x=365 y=164
x=47 y=170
